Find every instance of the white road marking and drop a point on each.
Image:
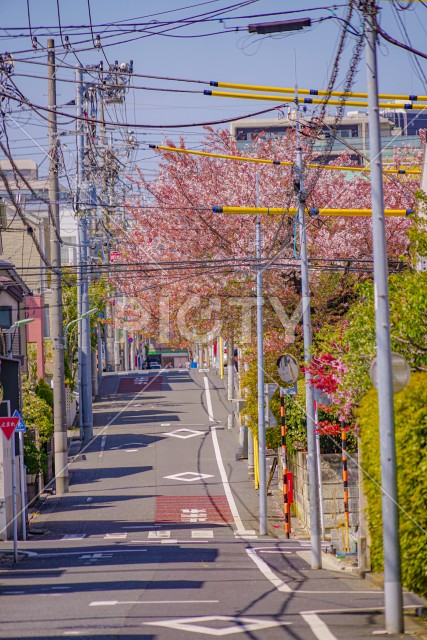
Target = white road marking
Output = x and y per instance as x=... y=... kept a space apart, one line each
x=104 y=439
x=208 y=400
x=113 y=603
x=169 y=541
x=277 y=551
x=268 y=573
x=202 y=533
x=318 y=627
x=250 y=532
x=238 y=624
x=350 y=610
x=178 y=433
x=165 y=424
x=227 y=489
x=159 y=534
x=74 y=536
x=120 y=536
x=63 y=554
x=192 y=476
x=194 y=515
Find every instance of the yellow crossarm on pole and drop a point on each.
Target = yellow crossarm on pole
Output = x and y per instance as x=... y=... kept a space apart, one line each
x=284 y=163
x=313 y=212
x=349 y=103
x=315 y=92
x=221 y=155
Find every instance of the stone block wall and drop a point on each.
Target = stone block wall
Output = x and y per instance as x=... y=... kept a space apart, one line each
x=332 y=489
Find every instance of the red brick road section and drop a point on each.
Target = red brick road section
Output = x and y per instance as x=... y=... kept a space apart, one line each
x=140 y=383
x=193 y=509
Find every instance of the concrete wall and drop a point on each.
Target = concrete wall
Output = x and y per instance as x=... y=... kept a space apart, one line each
x=332 y=488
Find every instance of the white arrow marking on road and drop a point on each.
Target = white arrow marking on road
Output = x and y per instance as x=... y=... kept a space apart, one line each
x=159 y=534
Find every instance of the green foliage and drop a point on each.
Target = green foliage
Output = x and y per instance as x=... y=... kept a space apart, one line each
x=353 y=341
x=37 y=415
x=294 y=413
x=411 y=443
x=418 y=232
x=35 y=458
x=98 y=294
x=32 y=361
x=43 y=391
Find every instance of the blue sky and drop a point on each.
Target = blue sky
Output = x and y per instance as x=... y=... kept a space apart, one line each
x=236 y=57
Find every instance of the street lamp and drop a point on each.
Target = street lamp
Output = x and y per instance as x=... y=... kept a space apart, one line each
x=16 y=325
x=316 y=555
x=84 y=315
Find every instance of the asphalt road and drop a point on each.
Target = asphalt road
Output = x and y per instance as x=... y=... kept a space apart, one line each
x=157 y=538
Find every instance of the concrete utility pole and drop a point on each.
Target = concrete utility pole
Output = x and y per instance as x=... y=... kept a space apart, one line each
x=85 y=380
x=316 y=551
x=390 y=513
x=260 y=365
x=60 y=426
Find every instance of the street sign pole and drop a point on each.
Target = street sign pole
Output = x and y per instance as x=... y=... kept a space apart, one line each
x=8 y=426
x=14 y=510
x=21 y=428
x=22 y=476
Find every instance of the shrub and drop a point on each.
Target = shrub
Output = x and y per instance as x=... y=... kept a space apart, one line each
x=411 y=442
x=37 y=415
x=43 y=391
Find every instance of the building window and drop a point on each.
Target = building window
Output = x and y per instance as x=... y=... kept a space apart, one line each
x=5 y=317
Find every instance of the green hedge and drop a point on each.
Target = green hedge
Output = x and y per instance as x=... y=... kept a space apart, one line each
x=411 y=446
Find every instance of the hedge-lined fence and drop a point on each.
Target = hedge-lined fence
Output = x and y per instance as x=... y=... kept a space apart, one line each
x=411 y=453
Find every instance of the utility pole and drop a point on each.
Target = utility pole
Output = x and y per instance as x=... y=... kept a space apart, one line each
x=60 y=426
x=107 y=196
x=85 y=380
x=260 y=366
x=392 y=571
x=313 y=489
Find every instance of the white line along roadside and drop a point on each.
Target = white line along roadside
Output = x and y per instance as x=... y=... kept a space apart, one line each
x=240 y=529
x=208 y=400
x=265 y=569
x=318 y=627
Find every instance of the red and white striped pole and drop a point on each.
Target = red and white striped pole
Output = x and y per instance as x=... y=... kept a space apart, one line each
x=286 y=502
x=345 y=483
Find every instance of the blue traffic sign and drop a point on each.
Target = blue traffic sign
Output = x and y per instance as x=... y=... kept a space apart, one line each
x=21 y=426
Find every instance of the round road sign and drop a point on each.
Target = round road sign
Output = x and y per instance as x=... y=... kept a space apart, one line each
x=400 y=372
x=288 y=368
